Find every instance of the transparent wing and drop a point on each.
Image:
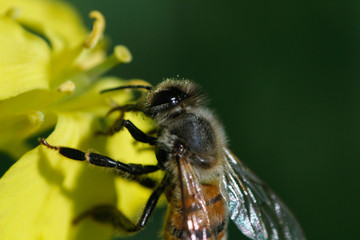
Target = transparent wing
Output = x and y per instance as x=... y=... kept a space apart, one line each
x=254 y=207
x=196 y=216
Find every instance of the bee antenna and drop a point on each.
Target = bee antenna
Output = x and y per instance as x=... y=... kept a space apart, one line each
x=146 y=87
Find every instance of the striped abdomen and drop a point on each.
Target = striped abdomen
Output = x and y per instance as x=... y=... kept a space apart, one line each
x=205 y=221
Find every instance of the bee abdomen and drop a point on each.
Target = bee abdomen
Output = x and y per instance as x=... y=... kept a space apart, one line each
x=209 y=222
x=216 y=232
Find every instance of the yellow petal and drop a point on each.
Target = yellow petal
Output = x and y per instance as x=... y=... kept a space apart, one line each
x=23 y=116
x=60 y=24
x=43 y=192
x=91 y=100
x=24 y=60
x=42 y=15
x=18 y=127
x=33 y=111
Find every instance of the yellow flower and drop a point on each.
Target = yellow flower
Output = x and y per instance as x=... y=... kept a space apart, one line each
x=50 y=69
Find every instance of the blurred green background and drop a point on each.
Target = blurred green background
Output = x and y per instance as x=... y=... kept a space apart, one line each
x=284 y=77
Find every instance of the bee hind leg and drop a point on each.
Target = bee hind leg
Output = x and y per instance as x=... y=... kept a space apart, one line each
x=107 y=214
x=110 y=214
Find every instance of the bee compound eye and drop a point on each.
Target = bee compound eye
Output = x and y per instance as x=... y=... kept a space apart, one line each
x=165 y=96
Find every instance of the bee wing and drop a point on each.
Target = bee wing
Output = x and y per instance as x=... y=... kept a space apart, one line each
x=254 y=207
x=196 y=218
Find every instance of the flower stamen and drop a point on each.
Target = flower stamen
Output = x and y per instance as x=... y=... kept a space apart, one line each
x=121 y=54
x=97 y=31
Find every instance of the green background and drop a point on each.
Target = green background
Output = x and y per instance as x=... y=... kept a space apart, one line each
x=283 y=77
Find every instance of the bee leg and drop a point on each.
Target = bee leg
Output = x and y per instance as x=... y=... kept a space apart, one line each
x=151 y=131
x=101 y=160
x=143 y=180
x=117 y=125
x=107 y=214
x=110 y=214
x=137 y=134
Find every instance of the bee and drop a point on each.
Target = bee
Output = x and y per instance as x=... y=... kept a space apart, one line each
x=205 y=184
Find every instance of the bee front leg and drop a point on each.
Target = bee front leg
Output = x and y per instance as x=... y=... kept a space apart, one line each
x=101 y=160
x=137 y=134
x=110 y=214
x=118 y=125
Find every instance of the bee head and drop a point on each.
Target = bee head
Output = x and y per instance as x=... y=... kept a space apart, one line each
x=172 y=97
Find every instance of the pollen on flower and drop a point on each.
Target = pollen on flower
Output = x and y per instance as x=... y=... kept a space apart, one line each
x=97 y=31
x=67 y=87
x=123 y=54
x=36 y=118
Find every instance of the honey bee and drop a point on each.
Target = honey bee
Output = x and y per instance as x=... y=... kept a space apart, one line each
x=204 y=182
